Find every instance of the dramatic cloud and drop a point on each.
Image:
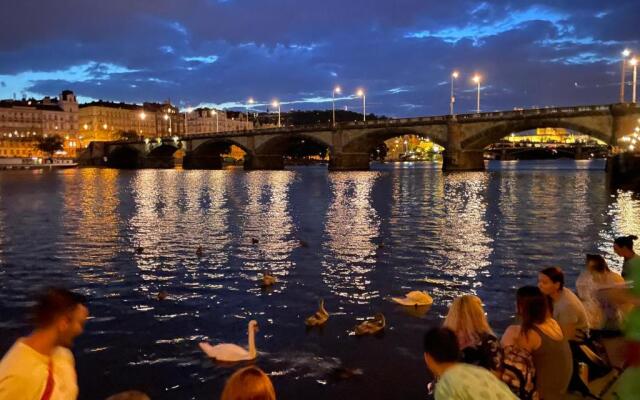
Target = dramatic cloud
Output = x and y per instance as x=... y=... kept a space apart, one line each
x=401 y=52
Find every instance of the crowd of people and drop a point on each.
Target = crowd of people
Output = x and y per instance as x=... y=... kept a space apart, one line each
x=540 y=357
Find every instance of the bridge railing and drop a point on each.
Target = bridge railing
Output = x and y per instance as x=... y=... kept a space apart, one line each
x=391 y=122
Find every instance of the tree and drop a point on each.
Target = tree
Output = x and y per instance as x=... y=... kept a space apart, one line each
x=50 y=144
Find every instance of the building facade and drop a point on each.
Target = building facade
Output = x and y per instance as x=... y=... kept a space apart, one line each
x=104 y=121
x=208 y=120
x=22 y=122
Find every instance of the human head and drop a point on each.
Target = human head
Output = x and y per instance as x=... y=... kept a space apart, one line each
x=467 y=319
x=623 y=246
x=129 y=395
x=551 y=280
x=440 y=348
x=596 y=263
x=62 y=312
x=249 y=383
x=533 y=307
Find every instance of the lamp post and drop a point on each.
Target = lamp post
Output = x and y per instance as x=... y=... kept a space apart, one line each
x=476 y=79
x=625 y=54
x=454 y=75
x=214 y=112
x=142 y=117
x=360 y=93
x=250 y=103
x=168 y=118
x=276 y=103
x=634 y=64
x=333 y=98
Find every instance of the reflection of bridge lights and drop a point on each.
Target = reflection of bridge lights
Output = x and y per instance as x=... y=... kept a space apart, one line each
x=175 y=139
x=146 y=140
x=159 y=140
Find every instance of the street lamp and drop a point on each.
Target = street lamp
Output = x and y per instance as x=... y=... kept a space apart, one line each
x=360 y=93
x=276 y=103
x=250 y=103
x=476 y=79
x=625 y=54
x=214 y=112
x=167 y=118
x=142 y=116
x=634 y=64
x=454 y=75
x=333 y=99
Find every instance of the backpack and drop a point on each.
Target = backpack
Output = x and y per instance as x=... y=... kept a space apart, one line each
x=519 y=373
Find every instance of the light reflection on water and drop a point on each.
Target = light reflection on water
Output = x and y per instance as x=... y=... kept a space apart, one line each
x=351 y=230
x=369 y=235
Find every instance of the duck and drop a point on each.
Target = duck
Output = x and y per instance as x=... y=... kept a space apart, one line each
x=139 y=250
x=415 y=298
x=371 y=326
x=255 y=240
x=228 y=352
x=199 y=251
x=320 y=317
x=303 y=244
x=268 y=279
x=162 y=295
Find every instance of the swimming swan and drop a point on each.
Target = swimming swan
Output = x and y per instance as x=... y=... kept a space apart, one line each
x=228 y=352
x=319 y=318
x=371 y=326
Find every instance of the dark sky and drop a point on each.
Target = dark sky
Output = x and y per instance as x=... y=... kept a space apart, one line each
x=401 y=52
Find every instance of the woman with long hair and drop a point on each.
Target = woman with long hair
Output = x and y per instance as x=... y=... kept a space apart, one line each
x=479 y=345
x=249 y=384
x=591 y=284
x=542 y=337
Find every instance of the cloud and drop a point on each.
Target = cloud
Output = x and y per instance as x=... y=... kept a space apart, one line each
x=201 y=59
x=402 y=52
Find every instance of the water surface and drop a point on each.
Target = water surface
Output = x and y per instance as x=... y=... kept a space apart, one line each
x=370 y=235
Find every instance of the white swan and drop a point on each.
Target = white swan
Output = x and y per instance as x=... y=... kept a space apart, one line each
x=228 y=352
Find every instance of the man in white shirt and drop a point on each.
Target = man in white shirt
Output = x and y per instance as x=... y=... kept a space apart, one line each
x=41 y=366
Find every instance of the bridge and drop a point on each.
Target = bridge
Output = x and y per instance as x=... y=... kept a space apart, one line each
x=464 y=138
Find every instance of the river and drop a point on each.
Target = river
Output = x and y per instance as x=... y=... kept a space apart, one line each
x=369 y=235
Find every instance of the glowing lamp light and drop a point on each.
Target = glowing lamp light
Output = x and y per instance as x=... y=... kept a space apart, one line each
x=360 y=93
x=143 y=115
x=146 y=140
x=626 y=53
x=633 y=61
x=455 y=74
x=631 y=147
x=476 y=78
x=337 y=90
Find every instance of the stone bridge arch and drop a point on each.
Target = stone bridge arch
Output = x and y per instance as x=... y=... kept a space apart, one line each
x=488 y=136
x=207 y=154
x=162 y=155
x=269 y=153
x=124 y=157
x=368 y=140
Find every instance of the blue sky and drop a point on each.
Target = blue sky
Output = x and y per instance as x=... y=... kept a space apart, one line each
x=402 y=52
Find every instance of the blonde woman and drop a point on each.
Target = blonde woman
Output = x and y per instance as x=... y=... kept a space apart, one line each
x=479 y=345
x=249 y=384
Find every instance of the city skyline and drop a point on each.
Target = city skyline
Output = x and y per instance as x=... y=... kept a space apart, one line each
x=402 y=54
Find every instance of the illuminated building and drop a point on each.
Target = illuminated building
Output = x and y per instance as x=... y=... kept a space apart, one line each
x=22 y=122
x=106 y=121
x=207 y=120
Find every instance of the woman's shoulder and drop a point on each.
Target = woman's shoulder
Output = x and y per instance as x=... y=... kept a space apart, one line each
x=513 y=337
